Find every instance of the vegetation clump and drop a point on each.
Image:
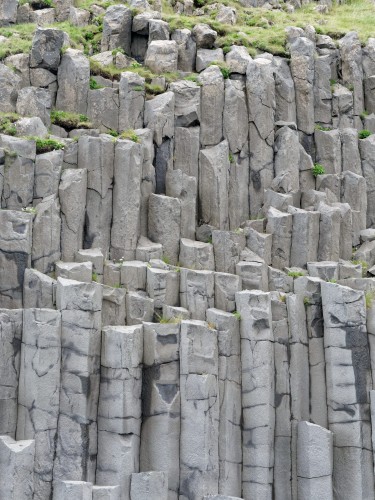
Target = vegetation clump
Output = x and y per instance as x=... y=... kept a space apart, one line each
x=363 y=134
x=45 y=145
x=129 y=134
x=69 y=121
x=7 y=125
x=318 y=169
x=94 y=84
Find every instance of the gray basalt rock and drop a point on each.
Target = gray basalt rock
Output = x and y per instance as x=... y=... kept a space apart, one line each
x=66 y=489
x=47 y=174
x=125 y=229
x=213 y=185
x=196 y=255
x=46 y=49
x=160 y=439
x=227 y=248
x=72 y=194
x=305 y=236
x=15 y=255
x=17 y=463
x=284 y=91
x=366 y=148
x=235 y=118
x=106 y=492
x=351 y=68
x=184 y=187
x=158 y=30
x=33 y=102
x=163 y=287
x=344 y=313
x=212 y=106
x=139 y=308
x=328 y=150
x=302 y=69
x=162 y=56
x=73 y=82
x=40 y=357
x=78 y=271
x=226 y=286
x=197 y=290
x=132 y=101
x=10 y=343
x=260 y=88
x=279 y=225
x=237 y=59
x=8 y=12
x=204 y=36
x=199 y=466
x=258 y=427
x=159 y=116
x=187 y=49
x=119 y=410
x=164 y=222
x=117 y=25
x=9 y=87
x=80 y=305
x=103 y=109
x=152 y=485
x=207 y=57
x=38 y=290
x=46 y=235
x=96 y=155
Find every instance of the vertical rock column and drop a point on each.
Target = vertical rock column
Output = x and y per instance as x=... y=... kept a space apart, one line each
x=15 y=255
x=16 y=469
x=160 y=438
x=39 y=389
x=314 y=462
x=119 y=413
x=258 y=393
x=230 y=456
x=283 y=429
x=298 y=373
x=96 y=155
x=72 y=194
x=125 y=229
x=199 y=460
x=76 y=449
x=10 y=346
x=348 y=383
x=260 y=88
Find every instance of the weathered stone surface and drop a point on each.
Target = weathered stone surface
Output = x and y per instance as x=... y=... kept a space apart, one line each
x=73 y=82
x=164 y=219
x=197 y=292
x=367 y=148
x=103 y=109
x=226 y=287
x=257 y=358
x=212 y=106
x=46 y=48
x=16 y=462
x=186 y=49
x=15 y=255
x=213 y=185
x=345 y=343
x=76 y=448
x=199 y=466
x=117 y=24
x=10 y=343
x=72 y=194
x=329 y=232
x=38 y=290
x=207 y=57
x=328 y=150
x=139 y=308
x=38 y=404
x=119 y=410
x=159 y=116
x=305 y=236
x=74 y=271
x=47 y=174
x=66 y=489
x=279 y=225
x=184 y=187
x=162 y=56
x=152 y=485
x=260 y=88
x=196 y=255
x=96 y=155
x=284 y=91
x=33 y=101
x=227 y=249
x=132 y=101
x=125 y=229
x=314 y=461
x=351 y=67
x=46 y=235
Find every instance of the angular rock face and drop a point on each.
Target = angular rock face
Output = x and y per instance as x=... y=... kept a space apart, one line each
x=186 y=276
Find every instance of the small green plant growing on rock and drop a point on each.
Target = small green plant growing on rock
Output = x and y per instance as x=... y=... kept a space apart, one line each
x=322 y=128
x=94 y=277
x=237 y=315
x=318 y=169
x=363 y=264
x=45 y=145
x=363 y=134
x=7 y=123
x=231 y=158
x=94 y=84
x=296 y=274
x=29 y=210
x=129 y=134
x=166 y=260
x=69 y=121
x=225 y=71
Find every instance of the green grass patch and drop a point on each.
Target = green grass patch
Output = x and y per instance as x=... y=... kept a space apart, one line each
x=7 y=121
x=318 y=169
x=69 y=121
x=19 y=39
x=94 y=84
x=363 y=134
x=296 y=274
x=46 y=145
x=129 y=134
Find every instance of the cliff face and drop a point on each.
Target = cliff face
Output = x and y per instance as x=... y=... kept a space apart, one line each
x=186 y=260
